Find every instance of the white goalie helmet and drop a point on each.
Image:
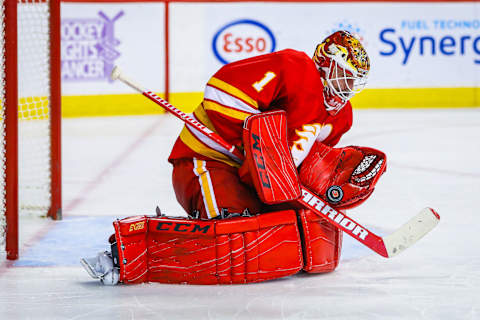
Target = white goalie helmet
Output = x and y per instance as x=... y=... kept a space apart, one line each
x=344 y=65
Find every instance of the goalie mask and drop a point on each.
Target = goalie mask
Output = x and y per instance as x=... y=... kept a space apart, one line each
x=344 y=65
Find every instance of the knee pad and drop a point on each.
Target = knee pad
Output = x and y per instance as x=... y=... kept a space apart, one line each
x=321 y=242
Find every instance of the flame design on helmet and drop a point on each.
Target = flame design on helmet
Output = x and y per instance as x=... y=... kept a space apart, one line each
x=344 y=65
x=346 y=49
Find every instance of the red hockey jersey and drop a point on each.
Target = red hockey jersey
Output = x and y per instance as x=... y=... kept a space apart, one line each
x=286 y=80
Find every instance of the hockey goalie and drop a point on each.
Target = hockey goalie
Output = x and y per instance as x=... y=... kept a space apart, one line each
x=286 y=112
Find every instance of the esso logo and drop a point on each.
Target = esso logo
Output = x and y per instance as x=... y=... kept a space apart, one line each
x=242 y=39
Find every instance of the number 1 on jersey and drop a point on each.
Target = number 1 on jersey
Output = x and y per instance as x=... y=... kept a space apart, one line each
x=262 y=83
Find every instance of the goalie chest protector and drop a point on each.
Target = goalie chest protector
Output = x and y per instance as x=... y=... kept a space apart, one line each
x=230 y=251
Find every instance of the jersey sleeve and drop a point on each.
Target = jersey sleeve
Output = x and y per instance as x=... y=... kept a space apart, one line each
x=342 y=122
x=248 y=87
x=256 y=82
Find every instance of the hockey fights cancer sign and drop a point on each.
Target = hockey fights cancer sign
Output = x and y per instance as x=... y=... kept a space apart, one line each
x=88 y=47
x=242 y=39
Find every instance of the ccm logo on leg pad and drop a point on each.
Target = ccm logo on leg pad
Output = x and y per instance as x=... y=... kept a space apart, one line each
x=182 y=227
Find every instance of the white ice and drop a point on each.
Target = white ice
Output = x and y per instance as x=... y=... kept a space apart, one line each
x=117 y=166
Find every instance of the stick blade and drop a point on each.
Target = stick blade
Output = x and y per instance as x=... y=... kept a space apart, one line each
x=411 y=232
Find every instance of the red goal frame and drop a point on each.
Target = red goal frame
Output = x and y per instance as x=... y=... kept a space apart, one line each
x=11 y=121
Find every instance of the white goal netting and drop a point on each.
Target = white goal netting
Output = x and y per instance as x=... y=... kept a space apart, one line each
x=33 y=110
x=33 y=113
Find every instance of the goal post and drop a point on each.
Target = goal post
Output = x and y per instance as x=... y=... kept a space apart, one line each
x=30 y=152
x=10 y=129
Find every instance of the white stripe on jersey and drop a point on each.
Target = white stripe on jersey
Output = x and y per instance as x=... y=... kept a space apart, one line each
x=225 y=99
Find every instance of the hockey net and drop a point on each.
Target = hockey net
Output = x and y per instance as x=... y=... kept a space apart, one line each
x=34 y=175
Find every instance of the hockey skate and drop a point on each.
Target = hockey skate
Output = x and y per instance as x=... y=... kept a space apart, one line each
x=102 y=267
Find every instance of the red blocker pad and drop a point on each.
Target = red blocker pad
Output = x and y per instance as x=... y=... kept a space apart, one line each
x=322 y=243
x=345 y=177
x=268 y=158
x=229 y=251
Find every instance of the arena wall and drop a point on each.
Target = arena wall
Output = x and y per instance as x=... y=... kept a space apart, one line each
x=424 y=54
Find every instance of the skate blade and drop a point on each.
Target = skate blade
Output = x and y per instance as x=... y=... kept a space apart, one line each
x=88 y=267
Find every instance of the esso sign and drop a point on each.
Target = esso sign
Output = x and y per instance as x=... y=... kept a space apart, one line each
x=242 y=39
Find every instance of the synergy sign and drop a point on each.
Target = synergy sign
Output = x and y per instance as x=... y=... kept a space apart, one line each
x=88 y=48
x=432 y=38
x=242 y=39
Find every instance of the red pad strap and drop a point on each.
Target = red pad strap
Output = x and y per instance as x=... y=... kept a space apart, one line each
x=236 y=250
x=269 y=159
x=322 y=243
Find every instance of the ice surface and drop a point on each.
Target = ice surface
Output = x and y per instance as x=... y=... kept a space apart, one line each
x=115 y=167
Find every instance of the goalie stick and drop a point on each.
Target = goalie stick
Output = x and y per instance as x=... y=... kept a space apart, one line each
x=387 y=246
x=237 y=155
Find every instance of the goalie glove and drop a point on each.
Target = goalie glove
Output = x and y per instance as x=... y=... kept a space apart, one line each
x=345 y=177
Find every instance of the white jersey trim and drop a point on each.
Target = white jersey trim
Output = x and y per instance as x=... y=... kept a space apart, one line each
x=225 y=99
